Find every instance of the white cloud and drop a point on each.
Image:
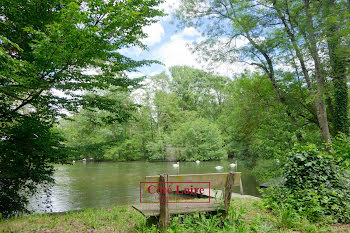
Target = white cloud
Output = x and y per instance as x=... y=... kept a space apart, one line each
x=186 y=32
x=91 y=71
x=242 y=41
x=178 y=52
x=155 y=33
x=190 y=31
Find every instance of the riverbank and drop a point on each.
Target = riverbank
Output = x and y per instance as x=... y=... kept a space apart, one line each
x=246 y=215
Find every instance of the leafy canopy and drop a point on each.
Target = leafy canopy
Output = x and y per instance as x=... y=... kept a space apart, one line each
x=70 y=47
x=67 y=46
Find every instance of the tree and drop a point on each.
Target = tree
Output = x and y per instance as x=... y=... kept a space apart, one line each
x=336 y=30
x=283 y=11
x=28 y=149
x=198 y=90
x=51 y=46
x=276 y=33
x=255 y=124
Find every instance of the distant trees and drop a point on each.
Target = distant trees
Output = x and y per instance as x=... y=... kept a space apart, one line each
x=191 y=114
x=102 y=134
x=166 y=118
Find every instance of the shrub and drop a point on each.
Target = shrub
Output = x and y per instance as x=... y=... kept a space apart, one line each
x=313 y=186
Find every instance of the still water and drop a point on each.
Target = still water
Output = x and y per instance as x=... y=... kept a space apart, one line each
x=98 y=184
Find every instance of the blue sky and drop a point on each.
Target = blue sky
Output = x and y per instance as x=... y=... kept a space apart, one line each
x=166 y=43
x=169 y=44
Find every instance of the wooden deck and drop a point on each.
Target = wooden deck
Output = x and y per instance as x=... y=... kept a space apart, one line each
x=218 y=194
x=177 y=208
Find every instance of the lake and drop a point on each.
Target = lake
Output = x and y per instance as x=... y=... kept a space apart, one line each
x=97 y=184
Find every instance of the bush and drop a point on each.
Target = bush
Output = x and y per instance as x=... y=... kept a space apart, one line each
x=313 y=186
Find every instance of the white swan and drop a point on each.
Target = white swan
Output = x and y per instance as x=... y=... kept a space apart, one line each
x=176 y=164
x=233 y=165
x=219 y=167
x=84 y=159
x=73 y=161
x=197 y=161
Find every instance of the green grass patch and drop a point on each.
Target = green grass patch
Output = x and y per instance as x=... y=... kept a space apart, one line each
x=245 y=215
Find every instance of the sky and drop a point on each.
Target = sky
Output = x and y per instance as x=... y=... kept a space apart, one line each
x=170 y=45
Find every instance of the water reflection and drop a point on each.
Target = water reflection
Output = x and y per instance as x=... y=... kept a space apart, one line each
x=93 y=184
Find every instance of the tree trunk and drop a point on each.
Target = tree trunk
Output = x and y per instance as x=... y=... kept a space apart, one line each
x=271 y=73
x=322 y=111
x=319 y=105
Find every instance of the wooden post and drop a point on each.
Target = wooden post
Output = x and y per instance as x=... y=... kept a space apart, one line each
x=228 y=191
x=164 y=216
x=240 y=186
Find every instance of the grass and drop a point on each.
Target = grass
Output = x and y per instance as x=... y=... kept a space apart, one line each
x=245 y=215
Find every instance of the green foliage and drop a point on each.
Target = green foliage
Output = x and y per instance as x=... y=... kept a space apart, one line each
x=268 y=169
x=341 y=98
x=47 y=47
x=341 y=150
x=256 y=125
x=50 y=44
x=152 y=130
x=28 y=149
x=119 y=133
x=313 y=186
x=271 y=34
x=129 y=149
x=251 y=123
x=199 y=140
x=156 y=150
x=198 y=91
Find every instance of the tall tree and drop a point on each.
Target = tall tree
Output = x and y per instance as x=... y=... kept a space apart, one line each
x=283 y=12
x=310 y=32
x=336 y=20
x=50 y=46
x=275 y=34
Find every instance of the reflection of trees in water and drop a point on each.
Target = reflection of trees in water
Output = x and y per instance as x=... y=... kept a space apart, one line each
x=42 y=201
x=118 y=183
